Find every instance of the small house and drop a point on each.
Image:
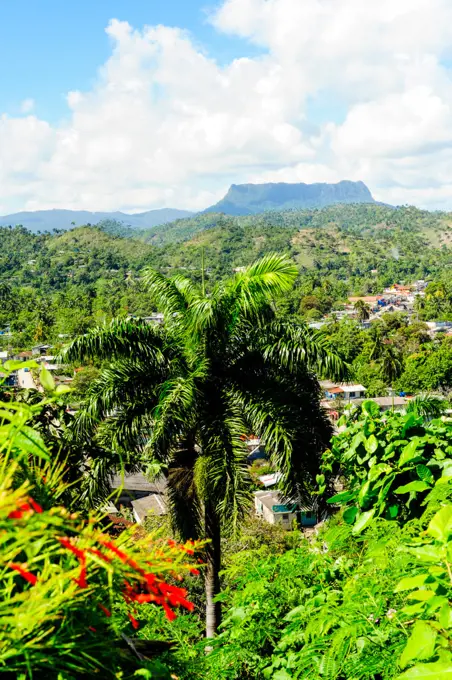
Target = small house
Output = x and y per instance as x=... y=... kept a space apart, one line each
x=270 y=507
x=154 y=504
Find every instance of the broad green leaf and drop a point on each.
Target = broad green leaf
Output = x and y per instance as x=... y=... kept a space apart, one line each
x=410 y=582
x=392 y=511
x=440 y=670
x=363 y=493
x=440 y=526
x=370 y=408
x=13 y=365
x=371 y=444
x=409 y=453
x=412 y=486
x=379 y=469
x=282 y=675
x=31 y=442
x=445 y=616
x=62 y=389
x=350 y=515
x=422 y=595
x=363 y=521
x=426 y=553
x=424 y=473
x=420 y=645
x=46 y=380
x=342 y=497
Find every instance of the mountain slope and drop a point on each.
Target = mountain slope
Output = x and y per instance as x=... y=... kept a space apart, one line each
x=47 y=220
x=249 y=199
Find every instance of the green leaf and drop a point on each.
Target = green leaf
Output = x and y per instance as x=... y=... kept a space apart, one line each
x=440 y=670
x=379 y=469
x=363 y=521
x=30 y=441
x=424 y=473
x=46 y=380
x=363 y=493
x=445 y=616
x=410 y=582
x=282 y=675
x=409 y=453
x=422 y=595
x=62 y=389
x=426 y=553
x=392 y=511
x=440 y=526
x=13 y=365
x=412 y=486
x=370 y=408
x=350 y=515
x=342 y=497
x=371 y=444
x=420 y=645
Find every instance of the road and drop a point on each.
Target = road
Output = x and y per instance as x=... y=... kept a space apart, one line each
x=25 y=380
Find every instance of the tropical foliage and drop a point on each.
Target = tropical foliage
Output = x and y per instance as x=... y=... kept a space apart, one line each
x=389 y=463
x=71 y=594
x=221 y=366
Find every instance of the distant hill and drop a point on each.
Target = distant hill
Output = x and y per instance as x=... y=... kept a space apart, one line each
x=47 y=220
x=251 y=199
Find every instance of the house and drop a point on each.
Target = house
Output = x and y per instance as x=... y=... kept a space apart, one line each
x=269 y=506
x=133 y=485
x=387 y=403
x=154 y=504
x=40 y=350
x=343 y=391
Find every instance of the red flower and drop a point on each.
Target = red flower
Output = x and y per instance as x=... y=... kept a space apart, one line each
x=81 y=580
x=170 y=615
x=66 y=543
x=36 y=507
x=20 y=511
x=91 y=628
x=27 y=575
x=98 y=553
x=133 y=621
x=106 y=611
x=194 y=571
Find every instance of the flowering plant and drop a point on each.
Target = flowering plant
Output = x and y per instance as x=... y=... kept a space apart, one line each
x=63 y=577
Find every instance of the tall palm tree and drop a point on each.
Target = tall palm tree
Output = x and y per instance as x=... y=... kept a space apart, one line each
x=183 y=396
x=362 y=310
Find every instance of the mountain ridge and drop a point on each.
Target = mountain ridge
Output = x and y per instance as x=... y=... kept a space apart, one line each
x=47 y=220
x=251 y=199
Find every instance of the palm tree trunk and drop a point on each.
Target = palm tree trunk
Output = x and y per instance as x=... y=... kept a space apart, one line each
x=213 y=566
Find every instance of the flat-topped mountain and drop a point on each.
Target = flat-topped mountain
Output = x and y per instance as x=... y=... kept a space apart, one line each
x=47 y=220
x=250 y=199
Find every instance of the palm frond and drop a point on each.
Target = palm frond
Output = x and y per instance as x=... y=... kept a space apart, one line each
x=427 y=405
x=172 y=296
x=291 y=345
x=119 y=339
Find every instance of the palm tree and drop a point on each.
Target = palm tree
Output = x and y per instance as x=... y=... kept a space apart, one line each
x=184 y=395
x=391 y=363
x=362 y=310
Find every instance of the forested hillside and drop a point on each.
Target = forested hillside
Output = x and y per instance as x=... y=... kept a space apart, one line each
x=64 y=283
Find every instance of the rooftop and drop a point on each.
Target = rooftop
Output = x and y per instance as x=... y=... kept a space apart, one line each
x=136 y=481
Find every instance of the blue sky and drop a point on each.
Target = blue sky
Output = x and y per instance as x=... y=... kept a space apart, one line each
x=138 y=104
x=56 y=45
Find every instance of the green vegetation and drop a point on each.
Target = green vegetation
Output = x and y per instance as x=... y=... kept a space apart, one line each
x=221 y=365
x=368 y=595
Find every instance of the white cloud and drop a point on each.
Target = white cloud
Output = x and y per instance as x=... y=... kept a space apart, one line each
x=166 y=125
